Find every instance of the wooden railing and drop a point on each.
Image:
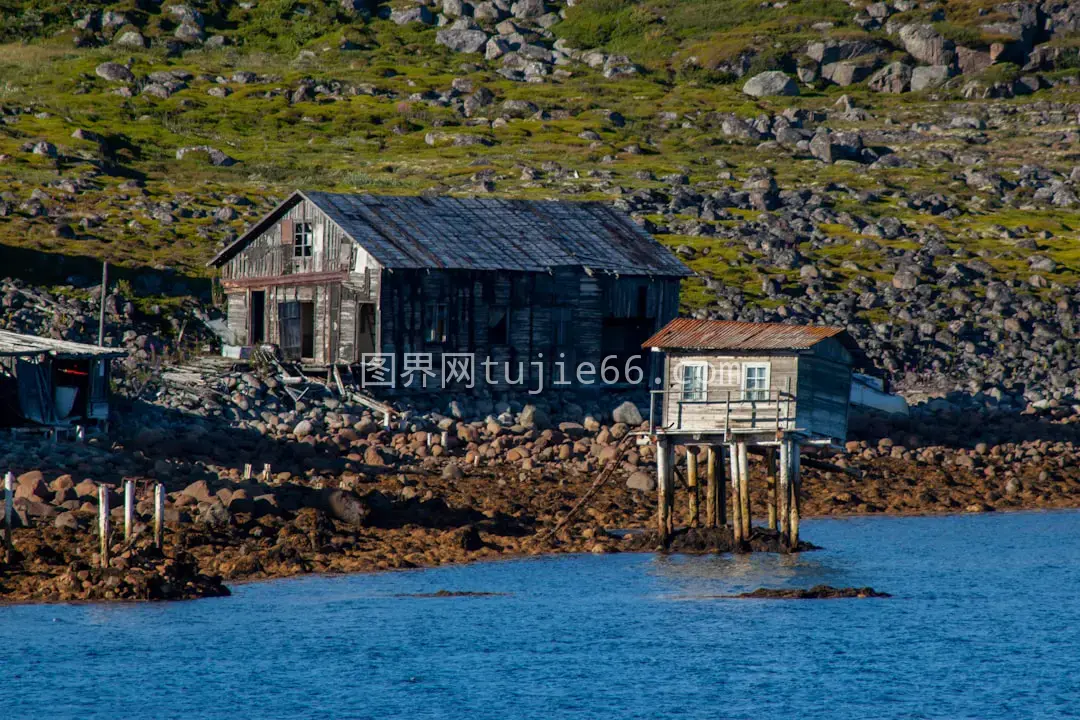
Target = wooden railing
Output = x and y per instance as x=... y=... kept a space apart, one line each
x=281 y=260
x=725 y=412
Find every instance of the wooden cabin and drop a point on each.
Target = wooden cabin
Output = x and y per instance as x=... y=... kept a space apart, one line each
x=52 y=382
x=730 y=386
x=753 y=379
x=331 y=277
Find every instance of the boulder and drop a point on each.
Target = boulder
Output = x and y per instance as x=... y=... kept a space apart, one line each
x=215 y=514
x=114 y=72
x=771 y=83
x=925 y=77
x=893 y=78
x=215 y=156
x=526 y=9
x=418 y=14
x=627 y=413
x=345 y=506
x=302 y=429
x=533 y=417
x=66 y=520
x=927 y=45
x=846 y=72
x=465 y=41
x=131 y=39
x=641 y=480
x=199 y=490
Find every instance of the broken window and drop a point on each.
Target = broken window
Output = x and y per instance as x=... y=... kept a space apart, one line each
x=436 y=322
x=303 y=239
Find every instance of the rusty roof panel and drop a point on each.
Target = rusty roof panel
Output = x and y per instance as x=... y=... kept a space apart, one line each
x=690 y=334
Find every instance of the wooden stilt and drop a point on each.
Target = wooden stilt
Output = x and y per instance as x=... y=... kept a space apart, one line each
x=783 y=492
x=796 y=483
x=670 y=504
x=736 y=504
x=692 y=486
x=710 y=488
x=744 y=490
x=129 y=508
x=663 y=478
x=9 y=502
x=721 y=487
x=104 y=524
x=159 y=515
x=770 y=481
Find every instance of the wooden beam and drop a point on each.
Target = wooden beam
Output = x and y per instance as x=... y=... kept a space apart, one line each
x=783 y=493
x=736 y=504
x=770 y=481
x=796 y=482
x=298 y=279
x=710 y=488
x=744 y=491
x=663 y=479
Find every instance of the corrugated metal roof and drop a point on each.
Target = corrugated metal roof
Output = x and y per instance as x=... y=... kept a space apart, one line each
x=489 y=234
x=18 y=345
x=690 y=334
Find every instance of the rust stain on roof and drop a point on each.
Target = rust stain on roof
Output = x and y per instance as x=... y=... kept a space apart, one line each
x=690 y=334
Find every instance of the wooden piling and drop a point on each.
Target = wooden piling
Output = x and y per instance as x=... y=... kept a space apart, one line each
x=692 y=486
x=670 y=504
x=744 y=490
x=663 y=479
x=159 y=515
x=796 y=484
x=783 y=492
x=721 y=486
x=711 y=514
x=129 y=509
x=247 y=471
x=266 y=472
x=770 y=482
x=9 y=502
x=736 y=504
x=104 y=524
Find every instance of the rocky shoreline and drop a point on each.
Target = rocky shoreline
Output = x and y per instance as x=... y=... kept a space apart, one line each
x=422 y=515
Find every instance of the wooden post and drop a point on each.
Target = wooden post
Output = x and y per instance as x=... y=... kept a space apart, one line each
x=9 y=501
x=663 y=478
x=247 y=471
x=796 y=483
x=104 y=526
x=721 y=487
x=783 y=493
x=710 y=488
x=744 y=490
x=736 y=505
x=669 y=505
x=266 y=472
x=159 y=515
x=129 y=508
x=692 y=485
x=770 y=479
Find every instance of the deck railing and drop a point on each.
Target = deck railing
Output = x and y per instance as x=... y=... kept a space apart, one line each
x=725 y=412
x=281 y=260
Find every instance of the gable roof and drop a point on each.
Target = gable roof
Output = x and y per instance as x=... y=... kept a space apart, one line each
x=416 y=232
x=690 y=334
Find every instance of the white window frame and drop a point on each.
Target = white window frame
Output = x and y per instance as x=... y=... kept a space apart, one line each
x=685 y=394
x=747 y=393
x=303 y=239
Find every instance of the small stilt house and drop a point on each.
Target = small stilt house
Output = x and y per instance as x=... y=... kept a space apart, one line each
x=52 y=382
x=732 y=386
x=331 y=277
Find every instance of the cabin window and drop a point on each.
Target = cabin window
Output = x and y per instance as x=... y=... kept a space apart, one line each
x=694 y=380
x=499 y=326
x=561 y=322
x=755 y=381
x=303 y=239
x=436 y=322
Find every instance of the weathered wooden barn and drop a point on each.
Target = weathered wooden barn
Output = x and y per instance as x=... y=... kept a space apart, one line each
x=53 y=382
x=330 y=277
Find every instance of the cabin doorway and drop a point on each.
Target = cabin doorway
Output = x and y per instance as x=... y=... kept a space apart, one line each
x=257 y=320
x=365 y=329
x=297 y=335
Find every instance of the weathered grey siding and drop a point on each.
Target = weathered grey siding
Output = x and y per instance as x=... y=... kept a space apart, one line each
x=825 y=379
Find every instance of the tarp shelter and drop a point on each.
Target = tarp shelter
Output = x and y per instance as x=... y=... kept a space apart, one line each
x=53 y=382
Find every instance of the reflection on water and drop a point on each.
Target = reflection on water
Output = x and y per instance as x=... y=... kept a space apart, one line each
x=981 y=625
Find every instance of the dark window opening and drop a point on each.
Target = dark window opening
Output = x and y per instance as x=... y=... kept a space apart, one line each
x=643 y=301
x=499 y=326
x=258 y=316
x=436 y=322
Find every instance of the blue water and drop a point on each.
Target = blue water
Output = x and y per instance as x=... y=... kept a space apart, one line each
x=983 y=625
